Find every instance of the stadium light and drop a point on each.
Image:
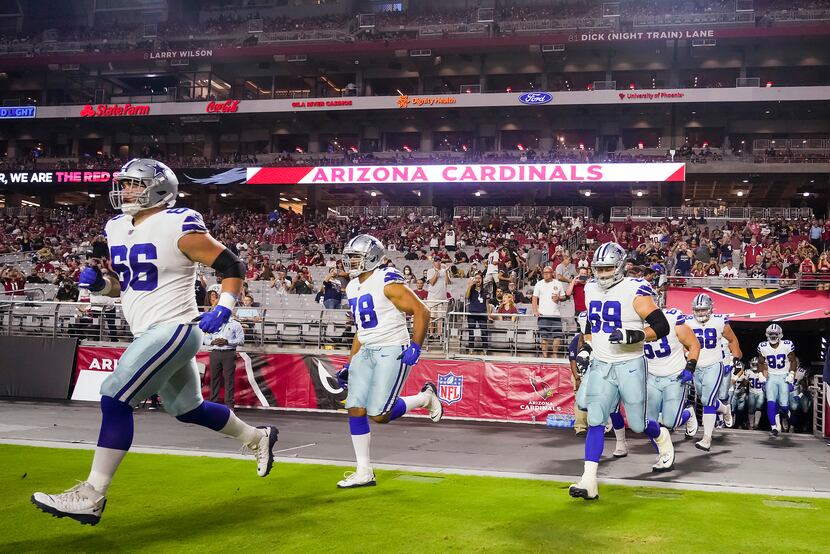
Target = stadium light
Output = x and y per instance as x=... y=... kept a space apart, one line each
x=639 y=194
x=746 y=180
x=181 y=195
x=740 y=193
x=806 y=194
x=92 y=195
x=283 y=199
x=373 y=193
x=295 y=199
x=223 y=194
x=769 y=84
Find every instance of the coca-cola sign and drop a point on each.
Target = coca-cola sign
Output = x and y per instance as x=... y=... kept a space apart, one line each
x=114 y=110
x=231 y=106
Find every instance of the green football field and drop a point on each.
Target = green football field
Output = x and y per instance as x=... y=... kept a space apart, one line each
x=164 y=503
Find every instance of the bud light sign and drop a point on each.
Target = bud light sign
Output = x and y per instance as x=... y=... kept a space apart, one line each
x=18 y=112
x=534 y=98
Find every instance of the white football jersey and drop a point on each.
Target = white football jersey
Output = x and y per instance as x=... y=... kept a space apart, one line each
x=777 y=359
x=614 y=309
x=757 y=381
x=709 y=335
x=727 y=353
x=156 y=278
x=379 y=321
x=667 y=356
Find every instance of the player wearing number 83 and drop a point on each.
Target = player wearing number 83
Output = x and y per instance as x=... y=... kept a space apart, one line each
x=618 y=308
x=776 y=359
x=382 y=353
x=154 y=249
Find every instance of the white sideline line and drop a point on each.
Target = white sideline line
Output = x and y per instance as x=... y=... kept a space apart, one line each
x=771 y=491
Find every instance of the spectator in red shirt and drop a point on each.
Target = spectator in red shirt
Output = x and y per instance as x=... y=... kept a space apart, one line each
x=752 y=253
x=420 y=291
x=576 y=289
x=476 y=257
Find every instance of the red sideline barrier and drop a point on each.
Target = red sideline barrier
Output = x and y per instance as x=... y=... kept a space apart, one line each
x=471 y=389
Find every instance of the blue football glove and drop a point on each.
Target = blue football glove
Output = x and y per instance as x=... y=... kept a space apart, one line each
x=214 y=319
x=791 y=387
x=686 y=376
x=626 y=336
x=410 y=355
x=342 y=376
x=91 y=279
x=583 y=358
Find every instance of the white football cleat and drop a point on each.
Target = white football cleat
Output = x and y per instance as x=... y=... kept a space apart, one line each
x=665 y=454
x=264 y=452
x=621 y=450
x=436 y=409
x=586 y=489
x=354 y=479
x=704 y=444
x=82 y=503
x=691 y=425
x=727 y=417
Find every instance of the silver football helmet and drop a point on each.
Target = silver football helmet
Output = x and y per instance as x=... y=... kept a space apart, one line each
x=774 y=334
x=612 y=255
x=161 y=187
x=363 y=253
x=753 y=364
x=702 y=307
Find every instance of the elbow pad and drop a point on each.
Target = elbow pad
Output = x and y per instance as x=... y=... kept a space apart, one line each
x=658 y=323
x=229 y=265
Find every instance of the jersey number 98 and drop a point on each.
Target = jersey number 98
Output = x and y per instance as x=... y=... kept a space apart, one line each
x=134 y=268
x=363 y=310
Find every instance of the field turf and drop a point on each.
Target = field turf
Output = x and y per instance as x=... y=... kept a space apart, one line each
x=165 y=503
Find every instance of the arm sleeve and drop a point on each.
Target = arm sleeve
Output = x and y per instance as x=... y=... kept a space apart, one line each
x=658 y=323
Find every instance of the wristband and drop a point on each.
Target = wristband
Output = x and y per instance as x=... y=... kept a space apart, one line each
x=691 y=365
x=227 y=300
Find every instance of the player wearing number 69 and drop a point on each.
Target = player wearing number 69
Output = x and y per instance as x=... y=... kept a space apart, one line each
x=382 y=353
x=154 y=249
x=619 y=308
x=710 y=328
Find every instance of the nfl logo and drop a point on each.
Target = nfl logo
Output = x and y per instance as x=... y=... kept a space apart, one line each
x=450 y=388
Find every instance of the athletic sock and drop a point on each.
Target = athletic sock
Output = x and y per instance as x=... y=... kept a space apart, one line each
x=247 y=434
x=406 y=403
x=772 y=413
x=757 y=416
x=114 y=440
x=721 y=407
x=618 y=424
x=709 y=416
x=104 y=464
x=361 y=440
x=594 y=443
x=684 y=417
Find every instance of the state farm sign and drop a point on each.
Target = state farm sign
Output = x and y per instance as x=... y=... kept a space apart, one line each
x=231 y=106
x=113 y=110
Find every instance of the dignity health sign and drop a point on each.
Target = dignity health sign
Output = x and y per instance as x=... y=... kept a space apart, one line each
x=477 y=173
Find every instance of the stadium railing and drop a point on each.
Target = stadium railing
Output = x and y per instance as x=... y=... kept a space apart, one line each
x=654 y=213
x=311 y=327
x=385 y=211
x=722 y=18
x=520 y=212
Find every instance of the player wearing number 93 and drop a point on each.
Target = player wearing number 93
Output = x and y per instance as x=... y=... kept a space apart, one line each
x=382 y=353
x=154 y=249
x=618 y=308
x=777 y=361
x=710 y=328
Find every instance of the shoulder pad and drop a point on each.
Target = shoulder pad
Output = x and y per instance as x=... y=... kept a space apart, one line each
x=192 y=221
x=392 y=275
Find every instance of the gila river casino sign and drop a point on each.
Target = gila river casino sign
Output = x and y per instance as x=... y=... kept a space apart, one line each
x=479 y=173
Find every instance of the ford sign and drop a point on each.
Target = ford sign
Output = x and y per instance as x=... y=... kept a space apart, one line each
x=535 y=98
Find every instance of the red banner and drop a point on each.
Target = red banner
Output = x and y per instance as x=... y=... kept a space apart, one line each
x=468 y=389
x=756 y=304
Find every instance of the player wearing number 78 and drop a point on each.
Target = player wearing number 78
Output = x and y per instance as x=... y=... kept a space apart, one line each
x=382 y=353
x=709 y=328
x=619 y=308
x=154 y=249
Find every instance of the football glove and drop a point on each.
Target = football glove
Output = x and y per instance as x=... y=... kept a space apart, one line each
x=583 y=358
x=343 y=376
x=791 y=387
x=410 y=355
x=686 y=376
x=626 y=336
x=213 y=320
x=91 y=279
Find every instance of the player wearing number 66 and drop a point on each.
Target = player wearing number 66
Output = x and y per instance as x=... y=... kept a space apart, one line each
x=382 y=352
x=619 y=308
x=709 y=328
x=154 y=249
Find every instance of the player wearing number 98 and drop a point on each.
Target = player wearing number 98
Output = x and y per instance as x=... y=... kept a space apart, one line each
x=382 y=353
x=776 y=359
x=618 y=308
x=154 y=249
x=709 y=328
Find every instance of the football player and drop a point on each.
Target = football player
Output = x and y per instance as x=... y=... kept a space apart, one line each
x=621 y=316
x=800 y=399
x=756 y=395
x=382 y=352
x=776 y=359
x=154 y=249
x=671 y=363
x=726 y=383
x=709 y=329
x=738 y=394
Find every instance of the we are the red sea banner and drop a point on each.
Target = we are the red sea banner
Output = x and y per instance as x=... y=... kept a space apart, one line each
x=470 y=389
